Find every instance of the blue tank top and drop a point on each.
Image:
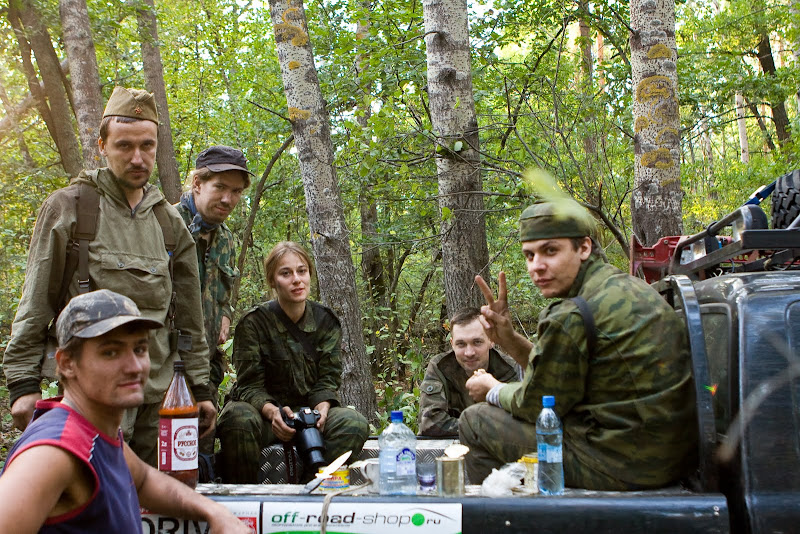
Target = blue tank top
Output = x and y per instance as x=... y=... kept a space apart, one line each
x=114 y=504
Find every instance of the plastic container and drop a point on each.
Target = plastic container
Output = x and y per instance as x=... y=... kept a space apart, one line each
x=549 y=436
x=531 y=463
x=397 y=453
x=178 y=435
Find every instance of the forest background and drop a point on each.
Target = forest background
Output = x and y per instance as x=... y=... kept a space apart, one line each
x=552 y=89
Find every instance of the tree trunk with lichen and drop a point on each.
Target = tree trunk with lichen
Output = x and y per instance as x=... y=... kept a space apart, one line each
x=657 y=195
x=329 y=233
x=78 y=42
x=452 y=106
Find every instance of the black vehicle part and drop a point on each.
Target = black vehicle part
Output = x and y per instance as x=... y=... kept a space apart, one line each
x=786 y=199
x=308 y=438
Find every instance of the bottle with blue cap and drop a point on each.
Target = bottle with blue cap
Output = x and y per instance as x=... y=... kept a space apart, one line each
x=397 y=453
x=549 y=436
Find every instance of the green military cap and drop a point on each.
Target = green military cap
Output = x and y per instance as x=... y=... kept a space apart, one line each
x=555 y=219
x=96 y=313
x=133 y=103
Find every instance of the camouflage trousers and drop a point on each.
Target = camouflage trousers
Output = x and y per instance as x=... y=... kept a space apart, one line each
x=140 y=430
x=495 y=438
x=243 y=432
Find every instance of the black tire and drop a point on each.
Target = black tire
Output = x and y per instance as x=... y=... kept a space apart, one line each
x=786 y=199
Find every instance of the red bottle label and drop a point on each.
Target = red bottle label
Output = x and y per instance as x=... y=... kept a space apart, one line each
x=178 y=441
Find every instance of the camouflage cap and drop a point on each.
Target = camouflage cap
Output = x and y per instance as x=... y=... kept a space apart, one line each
x=96 y=313
x=133 y=103
x=555 y=219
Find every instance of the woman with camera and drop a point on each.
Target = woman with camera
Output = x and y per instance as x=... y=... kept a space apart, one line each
x=286 y=354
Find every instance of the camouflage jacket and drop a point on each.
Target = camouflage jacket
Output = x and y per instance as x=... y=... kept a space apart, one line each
x=627 y=409
x=443 y=395
x=126 y=256
x=272 y=366
x=217 y=263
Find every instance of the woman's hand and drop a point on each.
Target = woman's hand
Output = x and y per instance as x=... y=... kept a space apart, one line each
x=272 y=414
x=322 y=408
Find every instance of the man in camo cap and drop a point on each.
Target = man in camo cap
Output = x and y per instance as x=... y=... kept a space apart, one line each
x=71 y=468
x=622 y=385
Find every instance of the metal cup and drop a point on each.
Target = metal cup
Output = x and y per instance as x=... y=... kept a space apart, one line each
x=450 y=476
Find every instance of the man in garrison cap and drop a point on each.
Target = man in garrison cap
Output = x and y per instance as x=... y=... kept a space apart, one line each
x=609 y=348
x=119 y=242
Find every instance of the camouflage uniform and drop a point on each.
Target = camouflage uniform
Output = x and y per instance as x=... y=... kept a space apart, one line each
x=273 y=367
x=627 y=410
x=217 y=263
x=443 y=395
x=126 y=256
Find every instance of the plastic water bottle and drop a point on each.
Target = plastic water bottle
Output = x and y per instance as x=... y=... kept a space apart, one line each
x=397 y=453
x=548 y=439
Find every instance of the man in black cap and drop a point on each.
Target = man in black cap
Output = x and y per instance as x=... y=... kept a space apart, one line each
x=217 y=183
x=111 y=229
x=71 y=471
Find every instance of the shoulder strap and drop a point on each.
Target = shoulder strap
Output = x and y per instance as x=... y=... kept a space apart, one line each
x=293 y=329
x=87 y=208
x=588 y=323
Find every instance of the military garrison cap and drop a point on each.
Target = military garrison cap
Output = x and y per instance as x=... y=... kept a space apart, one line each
x=555 y=219
x=133 y=103
x=96 y=313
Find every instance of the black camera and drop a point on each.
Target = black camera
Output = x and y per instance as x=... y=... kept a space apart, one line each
x=307 y=438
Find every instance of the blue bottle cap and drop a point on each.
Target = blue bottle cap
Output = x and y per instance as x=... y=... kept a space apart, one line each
x=396 y=416
x=548 y=401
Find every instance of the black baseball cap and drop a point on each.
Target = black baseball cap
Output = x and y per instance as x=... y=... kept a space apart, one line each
x=220 y=158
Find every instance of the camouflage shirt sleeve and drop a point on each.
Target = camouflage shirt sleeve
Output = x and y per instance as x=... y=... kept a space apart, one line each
x=433 y=405
x=247 y=359
x=329 y=347
x=559 y=366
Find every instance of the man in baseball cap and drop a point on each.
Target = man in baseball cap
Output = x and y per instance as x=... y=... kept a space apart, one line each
x=610 y=349
x=71 y=468
x=216 y=186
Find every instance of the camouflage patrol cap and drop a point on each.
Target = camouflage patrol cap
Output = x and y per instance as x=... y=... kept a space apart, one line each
x=96 y=313
x=133 y=103
x=555 y=219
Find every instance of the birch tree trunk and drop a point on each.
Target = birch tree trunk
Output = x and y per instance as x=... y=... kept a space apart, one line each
x=168 y=173
x=464 y=249
x=656 y=198
x=77 y=35
x=330 y=236
x=744 y=145
x=55 y=108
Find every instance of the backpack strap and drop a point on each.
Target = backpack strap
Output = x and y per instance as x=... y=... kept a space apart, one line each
x=87 y=209
x=295 y=331
x=588 y=323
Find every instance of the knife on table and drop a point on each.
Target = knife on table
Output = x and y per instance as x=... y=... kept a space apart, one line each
x=327 y=472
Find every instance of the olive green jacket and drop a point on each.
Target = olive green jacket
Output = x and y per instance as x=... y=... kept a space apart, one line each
x=271 y=365
x=126 y=256
x=443 y=394
x=627 y=410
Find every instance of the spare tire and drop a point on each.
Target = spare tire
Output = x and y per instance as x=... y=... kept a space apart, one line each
x=786 y=199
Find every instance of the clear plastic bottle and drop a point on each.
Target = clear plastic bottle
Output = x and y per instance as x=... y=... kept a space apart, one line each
x=178 y=436
x=397 y=453
x=549 y=436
